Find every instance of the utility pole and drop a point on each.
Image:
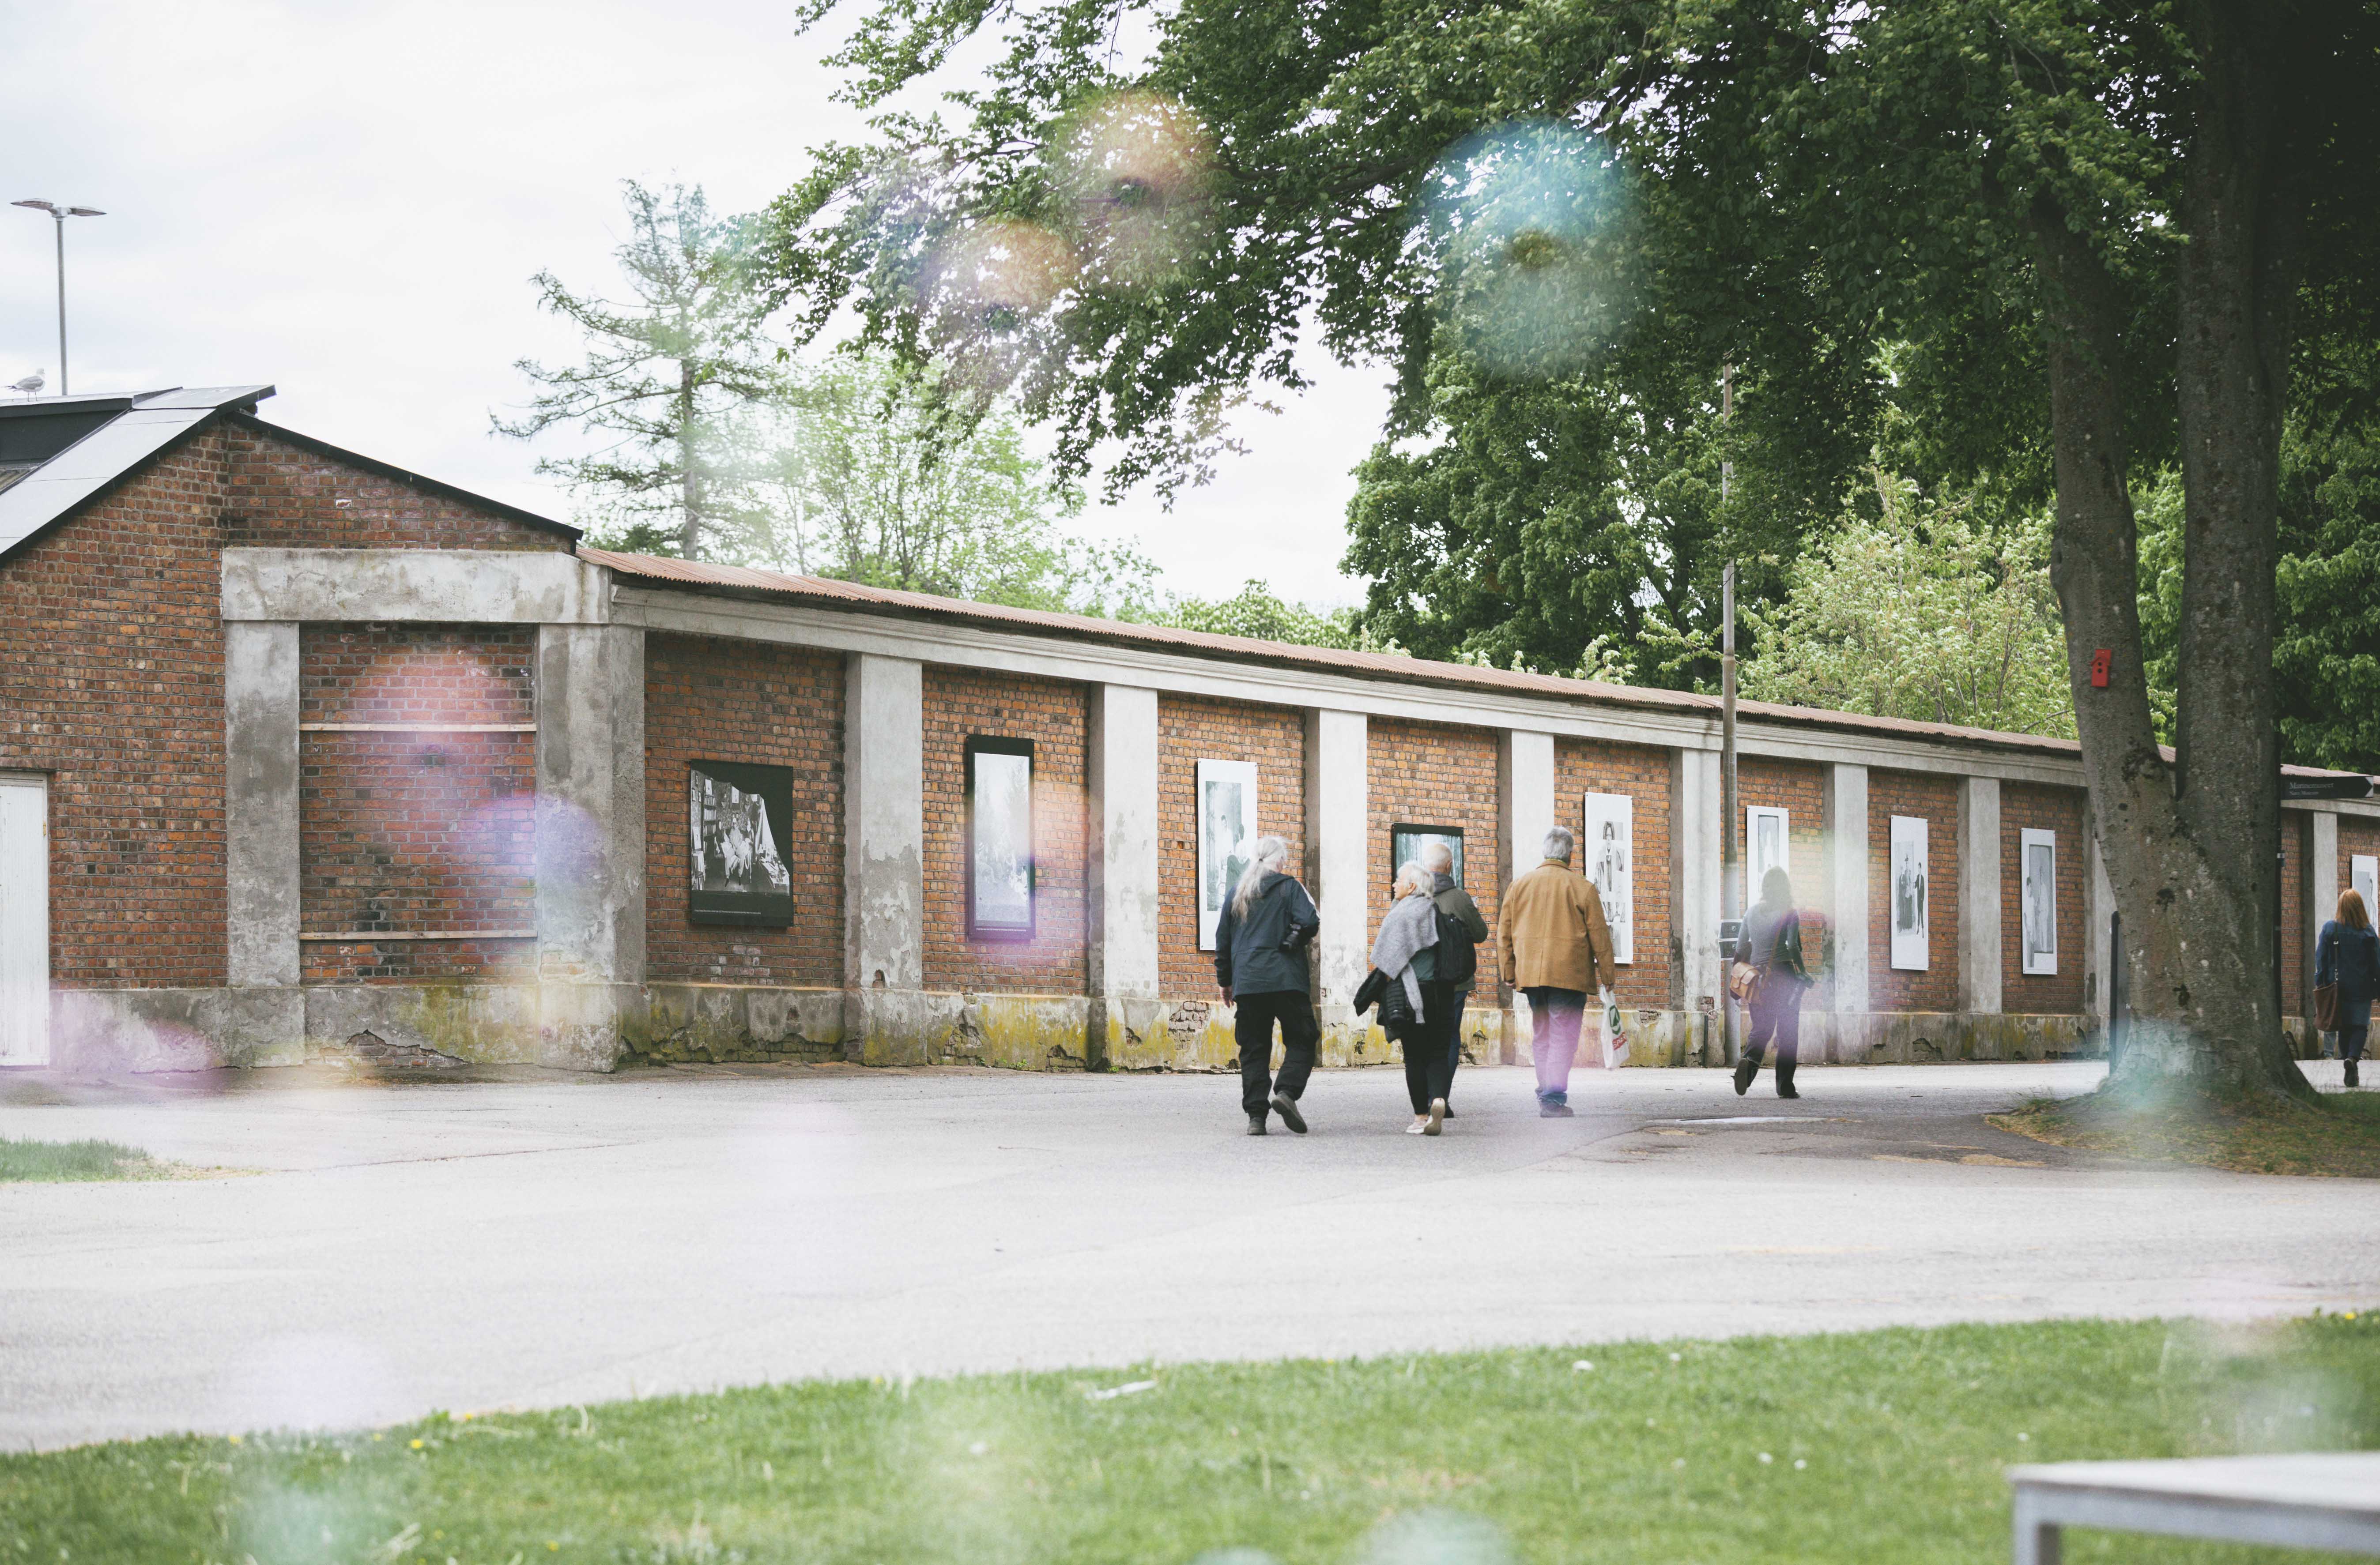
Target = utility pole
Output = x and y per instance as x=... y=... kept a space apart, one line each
x=1731 y=900
x=1726 y=422
x=59 y=214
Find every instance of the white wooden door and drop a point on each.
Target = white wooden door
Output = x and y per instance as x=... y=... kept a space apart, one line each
x=24 y=921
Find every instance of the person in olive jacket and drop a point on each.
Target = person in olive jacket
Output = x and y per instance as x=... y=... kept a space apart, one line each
x=1260 y=944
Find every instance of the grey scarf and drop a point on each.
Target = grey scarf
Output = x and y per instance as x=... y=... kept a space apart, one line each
x=1410 y=925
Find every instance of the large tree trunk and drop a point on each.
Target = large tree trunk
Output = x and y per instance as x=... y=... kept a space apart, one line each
x=2189 y=847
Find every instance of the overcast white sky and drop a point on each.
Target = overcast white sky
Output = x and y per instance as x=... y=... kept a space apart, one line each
x=348 y=201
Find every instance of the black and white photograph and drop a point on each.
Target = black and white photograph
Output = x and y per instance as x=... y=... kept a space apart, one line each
x=1405 y=843
x=999 y=839
x=2363 y=874
x=1607 y=827
x=1767 y=844
x=1227 y=835
x=1909 y=943
x=2039 y=895
x=738 y=817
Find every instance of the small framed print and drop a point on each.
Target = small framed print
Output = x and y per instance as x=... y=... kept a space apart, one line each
x=2363 y=874
x=1407 y=843
x=998 y=839
x=738 y=821
x=1767 y=844
x=1908 y=891
x=2037 y=876
x=1610 y=832
x=1227 y=837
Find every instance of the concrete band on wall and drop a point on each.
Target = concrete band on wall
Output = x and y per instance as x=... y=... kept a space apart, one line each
x=588 y=1001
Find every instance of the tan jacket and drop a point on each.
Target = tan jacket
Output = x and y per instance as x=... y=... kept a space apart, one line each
x=1552 y=931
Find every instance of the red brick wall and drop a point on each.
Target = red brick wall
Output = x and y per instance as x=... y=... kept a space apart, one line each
x=1584 y=766
x=1055 y=715
x=416 y=832
x=708 y=700
x=1936 y=800
x=279 y=495
x=1435 y=774
x=111 y=679
x=1191 y=729
x=2024 y=805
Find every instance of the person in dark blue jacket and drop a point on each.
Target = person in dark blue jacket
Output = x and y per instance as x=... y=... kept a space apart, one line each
x=2347 y=953
x=1260 y=944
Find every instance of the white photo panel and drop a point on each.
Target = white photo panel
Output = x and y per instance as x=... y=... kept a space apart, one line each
x=1227 y=837
x=1767 y=844
x=2363 y=874
x=2038 y=891
x=1906 y=890
x=1607 y=829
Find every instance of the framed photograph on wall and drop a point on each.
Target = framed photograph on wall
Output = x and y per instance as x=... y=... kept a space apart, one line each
x=1608 y=828
x=1405 y=843
x=1906 y=892
x=2038 y=892
x=1227 y=837
x=2363 y=874
x=739 y=818
x=1767 y=844
x=998 y=839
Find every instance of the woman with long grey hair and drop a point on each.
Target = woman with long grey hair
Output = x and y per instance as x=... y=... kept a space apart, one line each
x=1260 y=944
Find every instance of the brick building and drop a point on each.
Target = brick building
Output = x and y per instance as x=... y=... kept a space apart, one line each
x=302 y=754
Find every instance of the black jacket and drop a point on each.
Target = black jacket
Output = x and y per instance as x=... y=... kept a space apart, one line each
x=2349 y=958
x=1265 y=952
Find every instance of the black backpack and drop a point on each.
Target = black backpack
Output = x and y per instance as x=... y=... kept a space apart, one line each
x=1458 y=954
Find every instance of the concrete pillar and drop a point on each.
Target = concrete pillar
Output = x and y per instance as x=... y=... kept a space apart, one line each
x=1338 y=828
x=590 y=842
x=1979 y=895
x=1122 y=865
x=1694 y=879
x=261 y=804
x=2321 y=882
x=884 y=857
x=1524 y=800
x=1847 y=861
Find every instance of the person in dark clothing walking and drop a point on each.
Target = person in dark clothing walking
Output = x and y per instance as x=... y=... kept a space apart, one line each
x=1454 y=964
x=1260 y=944
x=2347 y=954
x=1772 y=943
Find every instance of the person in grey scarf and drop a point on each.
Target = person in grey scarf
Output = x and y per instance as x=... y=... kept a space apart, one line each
x=1402 y=952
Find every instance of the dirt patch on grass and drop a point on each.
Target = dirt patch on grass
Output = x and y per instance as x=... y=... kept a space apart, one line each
x=2336 y=1136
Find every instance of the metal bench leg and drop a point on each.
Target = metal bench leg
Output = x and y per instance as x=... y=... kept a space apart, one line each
x=2037 y=1541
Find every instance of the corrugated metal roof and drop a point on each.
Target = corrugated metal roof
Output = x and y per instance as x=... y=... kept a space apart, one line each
x=826 y=592
x=148 y=423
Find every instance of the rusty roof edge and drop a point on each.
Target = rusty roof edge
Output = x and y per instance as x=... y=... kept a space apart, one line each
x=759 y=586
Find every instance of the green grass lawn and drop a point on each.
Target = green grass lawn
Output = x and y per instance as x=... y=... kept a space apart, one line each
x=1883 y=1447
x=57 y=1160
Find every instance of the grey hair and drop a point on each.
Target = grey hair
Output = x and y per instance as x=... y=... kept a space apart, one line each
x=1270 y=853
x=1559 y=843
x=1413 y=880
x=1438 y=858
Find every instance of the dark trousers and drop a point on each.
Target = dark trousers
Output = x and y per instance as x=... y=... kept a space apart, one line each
x=2350 y=1041
x=1433 y=1046
x=1776 y=1015
x=1294 y=1010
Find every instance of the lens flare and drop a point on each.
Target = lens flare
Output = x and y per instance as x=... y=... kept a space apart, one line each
x=1133 y=170
x=1437 y=1537
x=1531 y=229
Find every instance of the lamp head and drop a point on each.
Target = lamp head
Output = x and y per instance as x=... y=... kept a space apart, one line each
x=85 y=212
x=50 y=207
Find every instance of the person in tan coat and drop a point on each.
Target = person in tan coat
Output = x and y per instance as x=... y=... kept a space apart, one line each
x=1557 y=951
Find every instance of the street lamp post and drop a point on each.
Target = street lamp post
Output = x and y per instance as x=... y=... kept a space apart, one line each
x=60 y=213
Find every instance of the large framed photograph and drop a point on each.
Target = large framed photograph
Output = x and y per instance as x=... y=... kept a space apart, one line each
x=998 y=839
x=1607 y=826
x=1908 y=891
x=1227 y=837
x=1407 y=843
x=1767 y=844
x=2363 y=874
x=739 y=818
x=2038 y=873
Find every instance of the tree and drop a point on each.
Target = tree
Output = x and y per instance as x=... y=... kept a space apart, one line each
x=673 y=377
x=1925 y=612
x=1261 y=615
x=2161 y=208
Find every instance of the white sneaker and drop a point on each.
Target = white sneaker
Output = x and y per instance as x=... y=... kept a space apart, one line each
x=1419 y=1127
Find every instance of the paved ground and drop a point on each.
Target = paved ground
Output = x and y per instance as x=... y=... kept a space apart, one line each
x=548 y=1240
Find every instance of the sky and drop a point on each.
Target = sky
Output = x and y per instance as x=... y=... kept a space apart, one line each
x=347 y=201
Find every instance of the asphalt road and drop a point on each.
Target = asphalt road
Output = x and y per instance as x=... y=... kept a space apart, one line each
x=543 y=1240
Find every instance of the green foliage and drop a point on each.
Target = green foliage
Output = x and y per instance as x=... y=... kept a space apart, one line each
x=1260 y=614
x=1926 y=613
x=670 y=381
x=1854 y=1449
x=53 y=1162
x=2327 y=652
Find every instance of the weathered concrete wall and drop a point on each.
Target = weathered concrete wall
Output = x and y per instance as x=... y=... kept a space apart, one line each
x=261 y=807
x=1121 y=769
x=1980 y=984
x=1338 y=818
